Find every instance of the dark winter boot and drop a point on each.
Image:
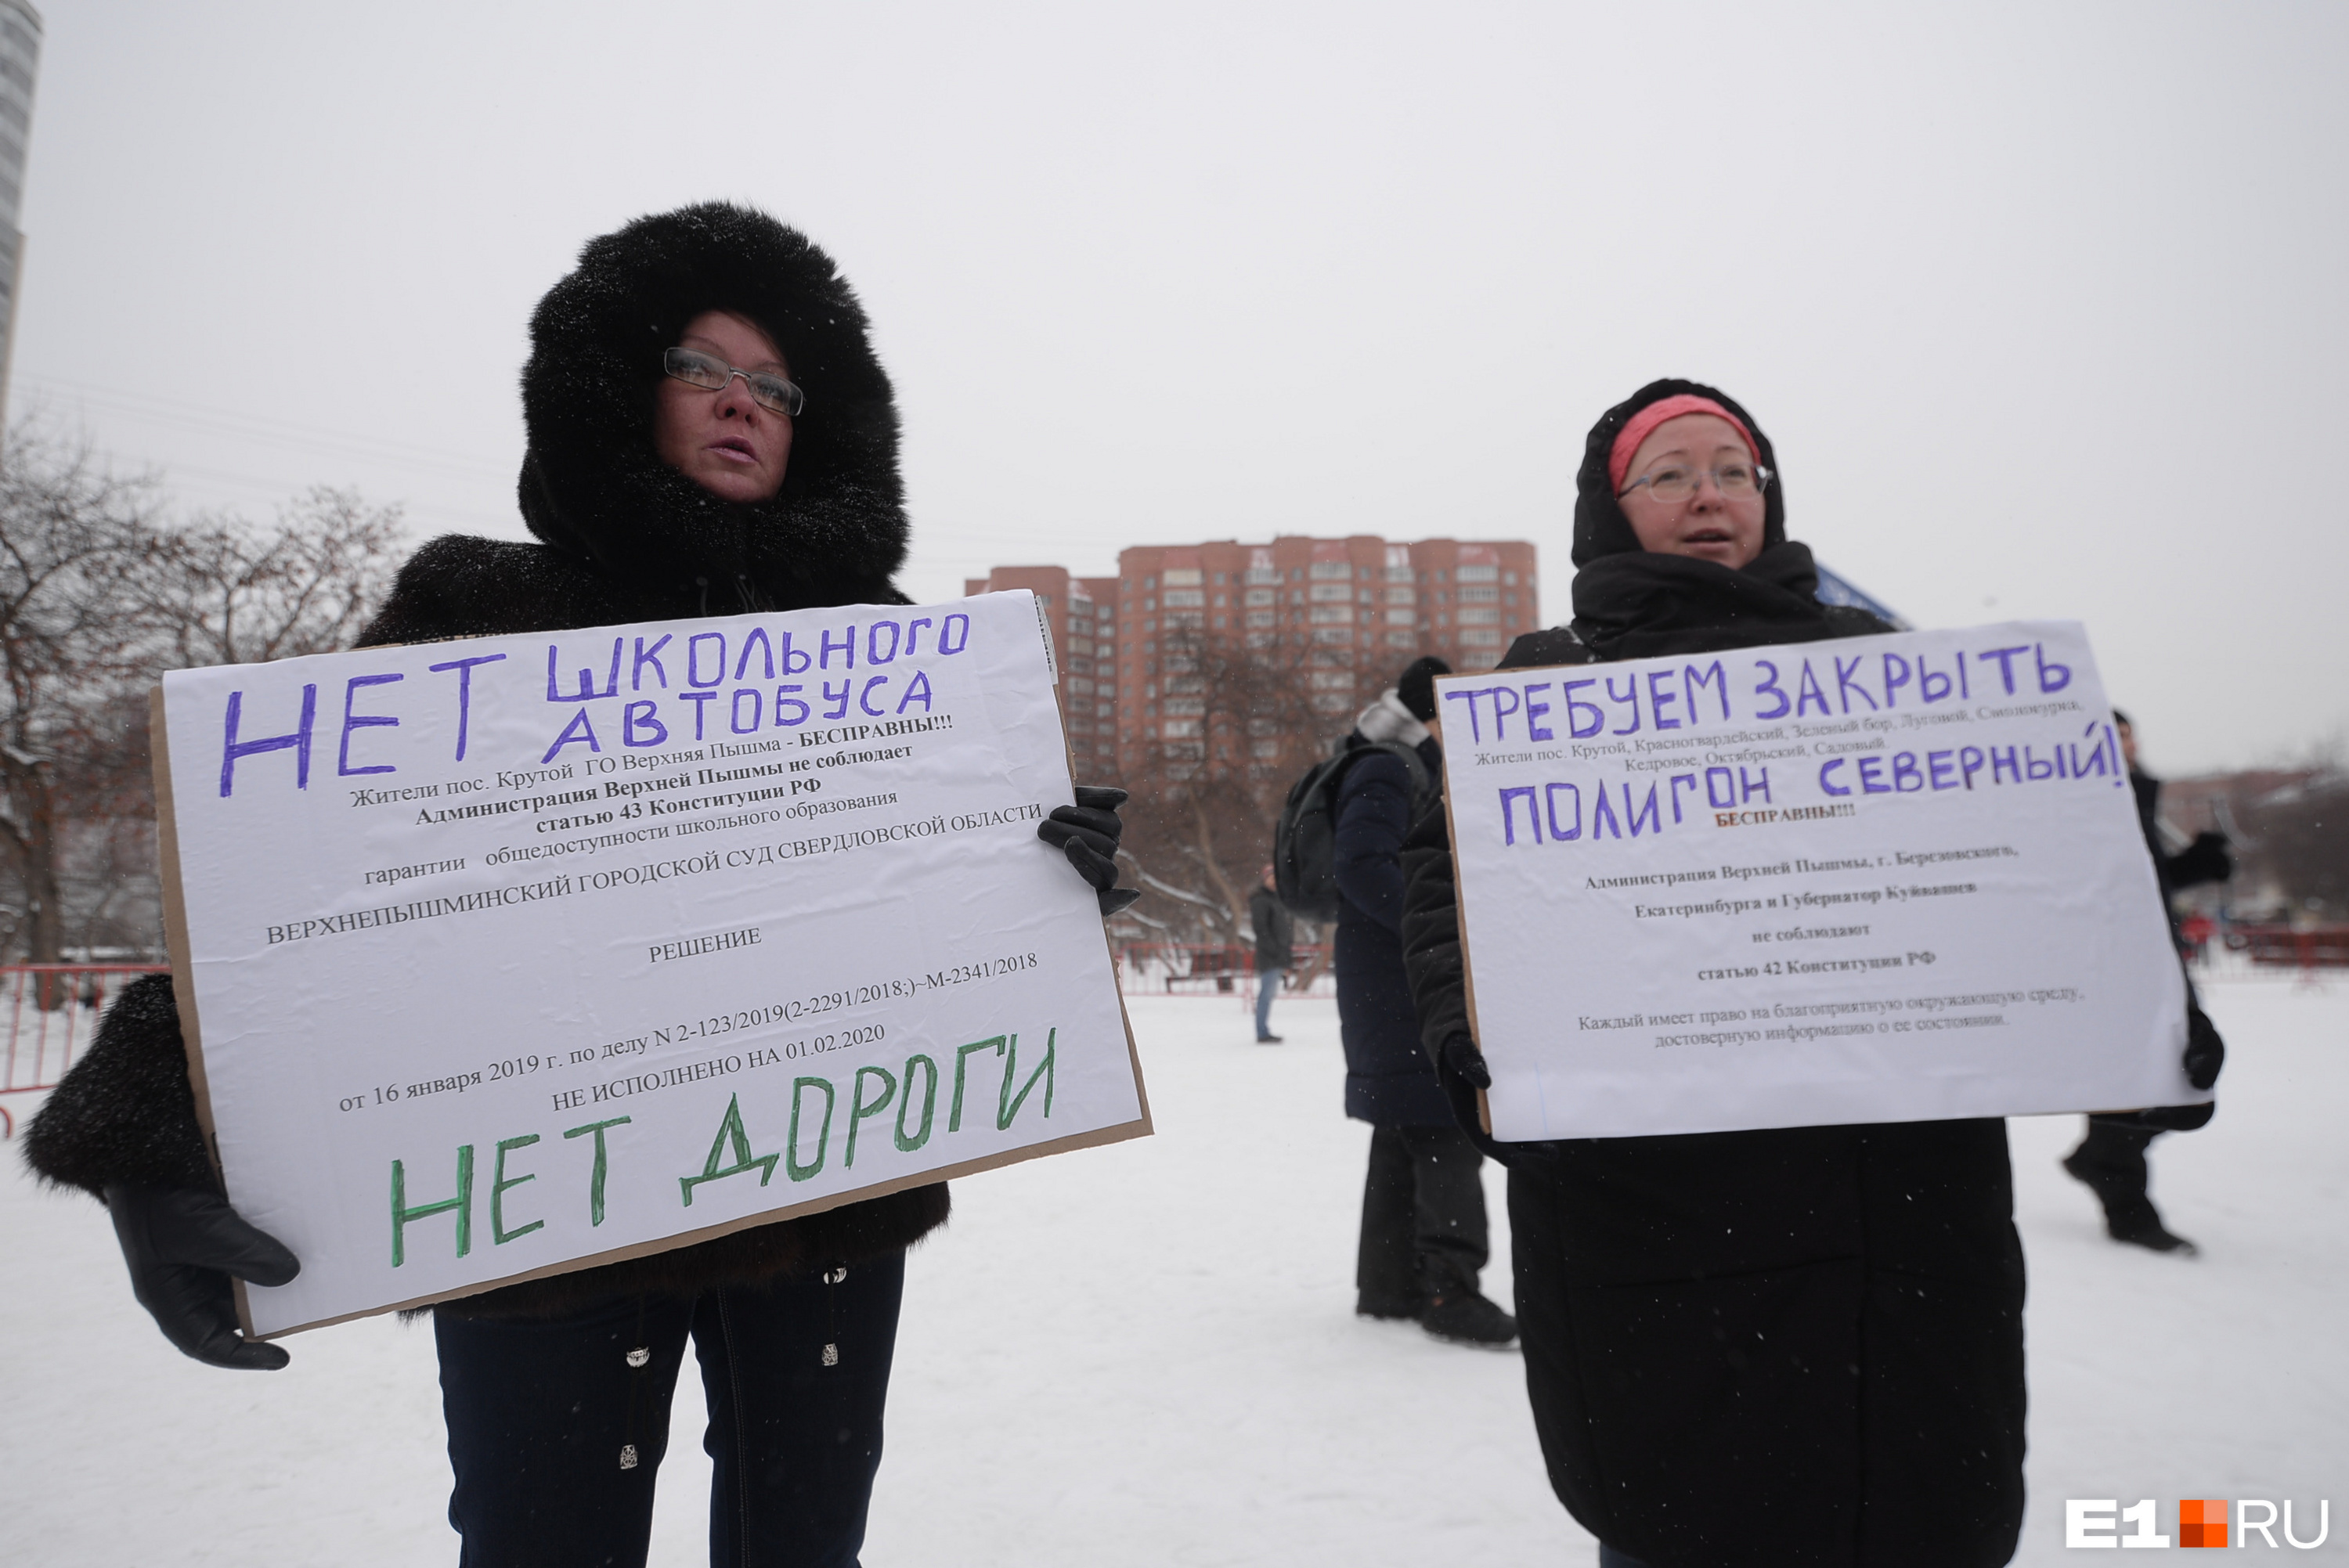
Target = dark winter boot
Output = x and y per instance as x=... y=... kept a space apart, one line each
x=2139 y=1225
x=1390 y=1308
x=1461 y=1315
x=2110 y=1162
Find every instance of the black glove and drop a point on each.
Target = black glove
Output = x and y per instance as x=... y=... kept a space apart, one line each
x=181 y=1247
x=1087 y=833
x=2205 y=859
x=1462 y=1057
x=2206 y=1052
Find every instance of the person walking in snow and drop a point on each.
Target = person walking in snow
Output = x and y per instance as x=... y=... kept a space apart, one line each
x=1424 y=1234
x=709 y=434
x=1275 y=929
x=2111 y=1159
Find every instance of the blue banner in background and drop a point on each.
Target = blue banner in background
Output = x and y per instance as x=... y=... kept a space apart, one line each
x=1834 y=590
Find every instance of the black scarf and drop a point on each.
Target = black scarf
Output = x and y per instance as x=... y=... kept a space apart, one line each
x=1631 y=604
x=1637 y=605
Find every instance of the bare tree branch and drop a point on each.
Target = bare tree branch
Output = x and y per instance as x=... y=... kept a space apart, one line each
x=98 y=595
x=1244 y=717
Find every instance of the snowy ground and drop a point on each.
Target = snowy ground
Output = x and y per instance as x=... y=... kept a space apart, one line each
x=1146 y=1355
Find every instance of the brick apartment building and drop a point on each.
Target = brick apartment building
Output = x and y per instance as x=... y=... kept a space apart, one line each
x=1351 y=610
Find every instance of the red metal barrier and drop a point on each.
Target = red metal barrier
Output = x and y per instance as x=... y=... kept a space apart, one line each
x=2284 y=947
x=1210 y=969
x=51 y=1011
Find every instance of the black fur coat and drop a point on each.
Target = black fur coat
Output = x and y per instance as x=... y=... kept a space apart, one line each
x=622 y=537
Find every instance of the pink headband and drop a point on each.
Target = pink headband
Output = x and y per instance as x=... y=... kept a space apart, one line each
x=1641 y=425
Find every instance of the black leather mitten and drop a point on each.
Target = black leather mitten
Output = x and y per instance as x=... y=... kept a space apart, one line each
x=1462 y=1057
x=1087 y=833
x=182 y=1246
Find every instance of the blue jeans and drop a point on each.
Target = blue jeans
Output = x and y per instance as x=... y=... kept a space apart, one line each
x=555 y=1438
x=1267 y=987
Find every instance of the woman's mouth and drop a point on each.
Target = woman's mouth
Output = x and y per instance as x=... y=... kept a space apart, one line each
x=735 y=450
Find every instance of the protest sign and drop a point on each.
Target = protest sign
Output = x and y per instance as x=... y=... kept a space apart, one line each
x=509 y=955
x=1881 y=879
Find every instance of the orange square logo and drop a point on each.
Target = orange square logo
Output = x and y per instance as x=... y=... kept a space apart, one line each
x=2202 y=1522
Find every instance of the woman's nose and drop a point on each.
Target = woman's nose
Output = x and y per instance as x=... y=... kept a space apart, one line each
x=734 y=400
x=1708 y=497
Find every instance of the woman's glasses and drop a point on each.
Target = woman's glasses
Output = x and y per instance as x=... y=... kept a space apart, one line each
x=1676 y=482
x=712 y=374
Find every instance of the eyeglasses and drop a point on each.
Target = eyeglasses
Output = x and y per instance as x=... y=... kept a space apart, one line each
x=712 y=374
x=1675 y=482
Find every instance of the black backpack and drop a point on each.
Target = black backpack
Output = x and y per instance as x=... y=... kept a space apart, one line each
x=1305 y=842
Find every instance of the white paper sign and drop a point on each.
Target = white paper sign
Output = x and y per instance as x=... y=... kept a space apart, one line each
x=1886 y=879
x=518 y=953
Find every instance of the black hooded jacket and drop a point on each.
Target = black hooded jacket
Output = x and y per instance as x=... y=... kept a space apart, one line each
x=1799 y=1346
x=622 y=537
x=1388 y=1080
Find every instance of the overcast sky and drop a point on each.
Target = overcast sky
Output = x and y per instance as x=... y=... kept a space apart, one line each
x=2044 y=305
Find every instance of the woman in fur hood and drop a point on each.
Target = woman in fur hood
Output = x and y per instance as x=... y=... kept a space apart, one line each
x=711 y=433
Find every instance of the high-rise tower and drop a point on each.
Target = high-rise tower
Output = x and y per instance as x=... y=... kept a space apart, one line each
x=20 y=62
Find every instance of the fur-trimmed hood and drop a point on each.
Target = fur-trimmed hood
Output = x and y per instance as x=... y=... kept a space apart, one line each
x=1389 y=719
x=593 y=486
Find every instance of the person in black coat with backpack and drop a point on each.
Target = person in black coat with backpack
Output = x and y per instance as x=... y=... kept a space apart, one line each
x=1425 y=1236
x=710 y=433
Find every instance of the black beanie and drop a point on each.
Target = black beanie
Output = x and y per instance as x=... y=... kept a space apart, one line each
x=1416 y=687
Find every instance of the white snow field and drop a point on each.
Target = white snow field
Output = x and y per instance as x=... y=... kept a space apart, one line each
x=1146 y=1354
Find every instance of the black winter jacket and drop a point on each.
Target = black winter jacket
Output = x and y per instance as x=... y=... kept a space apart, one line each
x=1388 y=1082
x=1799 y=1346
x=2203 y=860
x=1820 y=1327
x=621 y=537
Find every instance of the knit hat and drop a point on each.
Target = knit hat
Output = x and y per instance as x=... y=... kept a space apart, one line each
x=1641 y=425
x=1416 y=685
